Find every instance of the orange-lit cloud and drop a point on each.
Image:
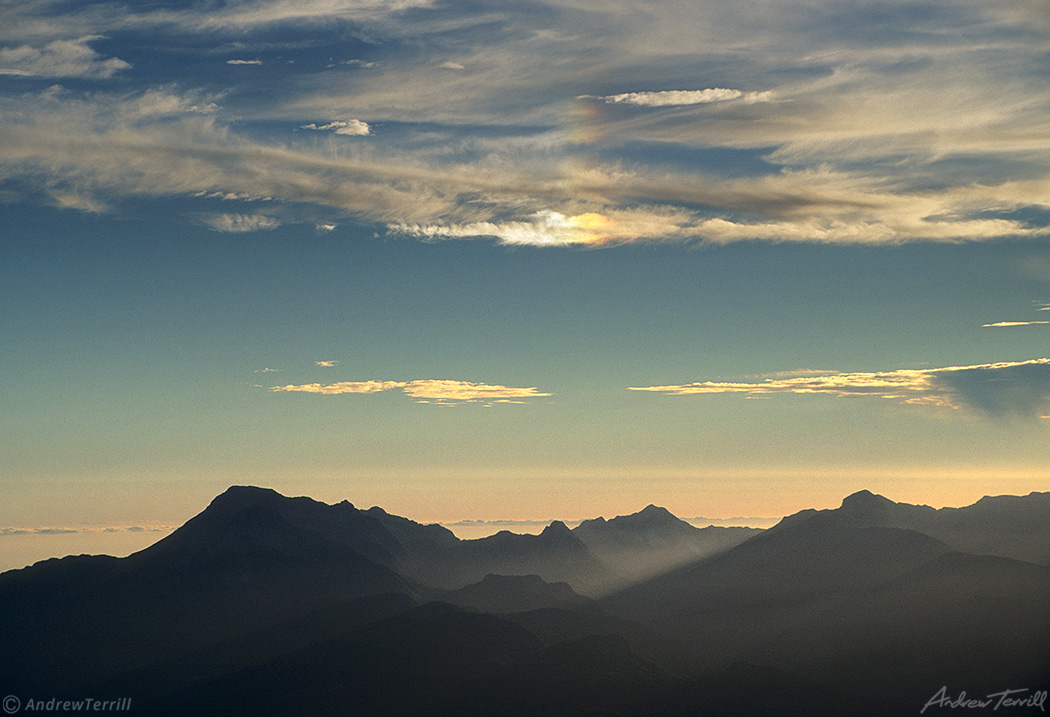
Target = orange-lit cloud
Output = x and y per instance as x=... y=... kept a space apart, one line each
x=439 y=390
x=1018 y=388
x=331 y=389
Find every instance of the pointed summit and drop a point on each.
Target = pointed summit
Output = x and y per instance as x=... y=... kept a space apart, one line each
x=556 y=529
x=655 y=512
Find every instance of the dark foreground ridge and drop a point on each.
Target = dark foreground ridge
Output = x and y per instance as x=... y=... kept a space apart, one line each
x=268 y=605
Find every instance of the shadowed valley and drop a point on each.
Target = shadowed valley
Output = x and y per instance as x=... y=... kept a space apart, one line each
x=264 y=604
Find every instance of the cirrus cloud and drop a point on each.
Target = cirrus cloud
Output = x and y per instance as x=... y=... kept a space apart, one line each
x=678 y=98
x=60 y=58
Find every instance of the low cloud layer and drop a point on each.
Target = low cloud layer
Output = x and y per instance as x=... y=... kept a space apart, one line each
x=998 y=389
x=423 y=390
x=88 y=529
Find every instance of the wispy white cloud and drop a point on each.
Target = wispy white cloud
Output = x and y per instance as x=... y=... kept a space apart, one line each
x=60 y=58
x=440 y=390
x=1008 y=324
x=348 y=127
x=854 y=136
x=239 y=223
x=327 y=364
x=1006 y=388
x=679 y=98
x=243 y=62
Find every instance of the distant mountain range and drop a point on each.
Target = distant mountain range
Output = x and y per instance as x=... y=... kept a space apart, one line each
x=264 y=604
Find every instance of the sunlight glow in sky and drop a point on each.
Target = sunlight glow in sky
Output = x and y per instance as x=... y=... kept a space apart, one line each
x=519 y=260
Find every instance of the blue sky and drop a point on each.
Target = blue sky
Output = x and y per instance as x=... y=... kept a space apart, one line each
x=554 y=259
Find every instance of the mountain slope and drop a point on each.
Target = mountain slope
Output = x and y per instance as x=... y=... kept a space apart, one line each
x=727 y=604
x=239 y=566
x=1015 y=527
x=654 y=541
x=498 y=594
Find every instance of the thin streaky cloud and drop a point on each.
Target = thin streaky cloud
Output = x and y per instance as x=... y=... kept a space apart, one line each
x=859 y=143
x=440 y=390
x=326 y=364
x=342 y=387
x=1006 y=388
x=49 y=530
x=1008 y=324
x=243 y=62
x=679 y=98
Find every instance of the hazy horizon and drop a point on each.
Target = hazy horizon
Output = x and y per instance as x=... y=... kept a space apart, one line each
x=26 y=545
x=493 y=261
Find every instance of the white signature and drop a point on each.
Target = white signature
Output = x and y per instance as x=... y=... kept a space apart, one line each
x=995 y=700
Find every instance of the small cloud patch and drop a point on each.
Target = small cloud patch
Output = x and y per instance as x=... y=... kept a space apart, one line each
x=354 y=127
x=240 y=223
x=680 y=98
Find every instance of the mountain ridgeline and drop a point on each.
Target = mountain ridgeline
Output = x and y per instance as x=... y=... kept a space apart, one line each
x=264 y=604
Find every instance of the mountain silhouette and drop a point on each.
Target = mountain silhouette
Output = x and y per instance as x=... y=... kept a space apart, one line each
x=869 y=599
x=1006 y=526
x=264 y=604
x=654 y=541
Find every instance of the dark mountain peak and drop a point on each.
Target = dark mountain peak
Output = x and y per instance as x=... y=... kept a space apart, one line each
x=556 y=529
x=865 y=502
x=242 y=496
x=864 y=497
x=376 y=510
x=647 y=517
x=654 y=509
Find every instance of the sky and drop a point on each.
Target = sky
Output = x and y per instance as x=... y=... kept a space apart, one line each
x=473 y=260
